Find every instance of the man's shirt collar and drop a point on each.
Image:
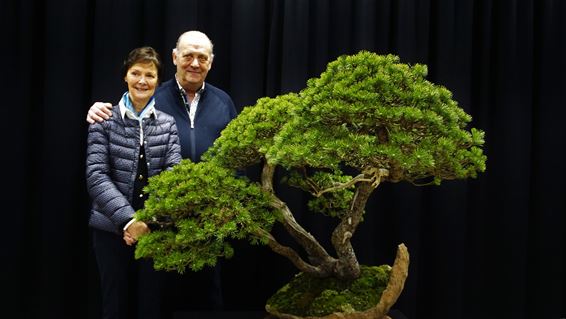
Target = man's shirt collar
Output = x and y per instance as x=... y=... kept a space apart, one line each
x=182 y=90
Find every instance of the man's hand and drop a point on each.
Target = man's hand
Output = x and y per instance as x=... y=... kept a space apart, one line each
x=99 y=112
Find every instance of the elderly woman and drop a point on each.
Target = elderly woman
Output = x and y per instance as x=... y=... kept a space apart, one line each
x=137 y=142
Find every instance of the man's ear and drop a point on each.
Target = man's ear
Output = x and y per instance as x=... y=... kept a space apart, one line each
x=210 y=62
x=174 y=56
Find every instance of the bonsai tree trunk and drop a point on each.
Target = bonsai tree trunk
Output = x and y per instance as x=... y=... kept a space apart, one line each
x=321 y=264
x=348 y=266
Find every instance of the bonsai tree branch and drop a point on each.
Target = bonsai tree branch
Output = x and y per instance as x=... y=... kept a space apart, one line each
x=318 y=255
x=339 y=186
x=267 y=173
x=294 y=257
x=313 y=248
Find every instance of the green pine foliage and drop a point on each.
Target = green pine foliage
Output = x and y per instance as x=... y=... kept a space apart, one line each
x=248 y=137
x=368 y=110
x=198 y=209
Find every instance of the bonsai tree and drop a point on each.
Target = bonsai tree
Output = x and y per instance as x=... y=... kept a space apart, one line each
x=366 y=120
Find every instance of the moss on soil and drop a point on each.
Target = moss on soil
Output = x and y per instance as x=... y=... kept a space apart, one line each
x=309 y=296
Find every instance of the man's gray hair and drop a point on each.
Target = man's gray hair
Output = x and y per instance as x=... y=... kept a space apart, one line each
x=198 y=34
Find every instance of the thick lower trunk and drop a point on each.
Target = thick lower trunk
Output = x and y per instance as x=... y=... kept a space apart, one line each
x=347 y=266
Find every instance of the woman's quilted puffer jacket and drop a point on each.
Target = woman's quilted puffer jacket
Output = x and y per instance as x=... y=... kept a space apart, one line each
x=113 y=154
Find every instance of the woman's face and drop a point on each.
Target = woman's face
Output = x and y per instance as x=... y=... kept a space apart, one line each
x=142 y=81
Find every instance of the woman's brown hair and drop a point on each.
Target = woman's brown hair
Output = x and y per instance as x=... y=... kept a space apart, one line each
x=142 y=55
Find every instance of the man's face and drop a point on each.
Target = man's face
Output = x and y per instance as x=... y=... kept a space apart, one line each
x=193 y=58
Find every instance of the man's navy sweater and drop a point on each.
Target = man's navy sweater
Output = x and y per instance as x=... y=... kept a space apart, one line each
x=215 y=110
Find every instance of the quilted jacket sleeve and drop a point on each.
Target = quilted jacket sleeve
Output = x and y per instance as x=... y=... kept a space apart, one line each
x=105 y=196
x=174 y=149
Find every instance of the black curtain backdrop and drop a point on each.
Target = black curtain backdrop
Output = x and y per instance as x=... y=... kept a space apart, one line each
x=493 y=247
